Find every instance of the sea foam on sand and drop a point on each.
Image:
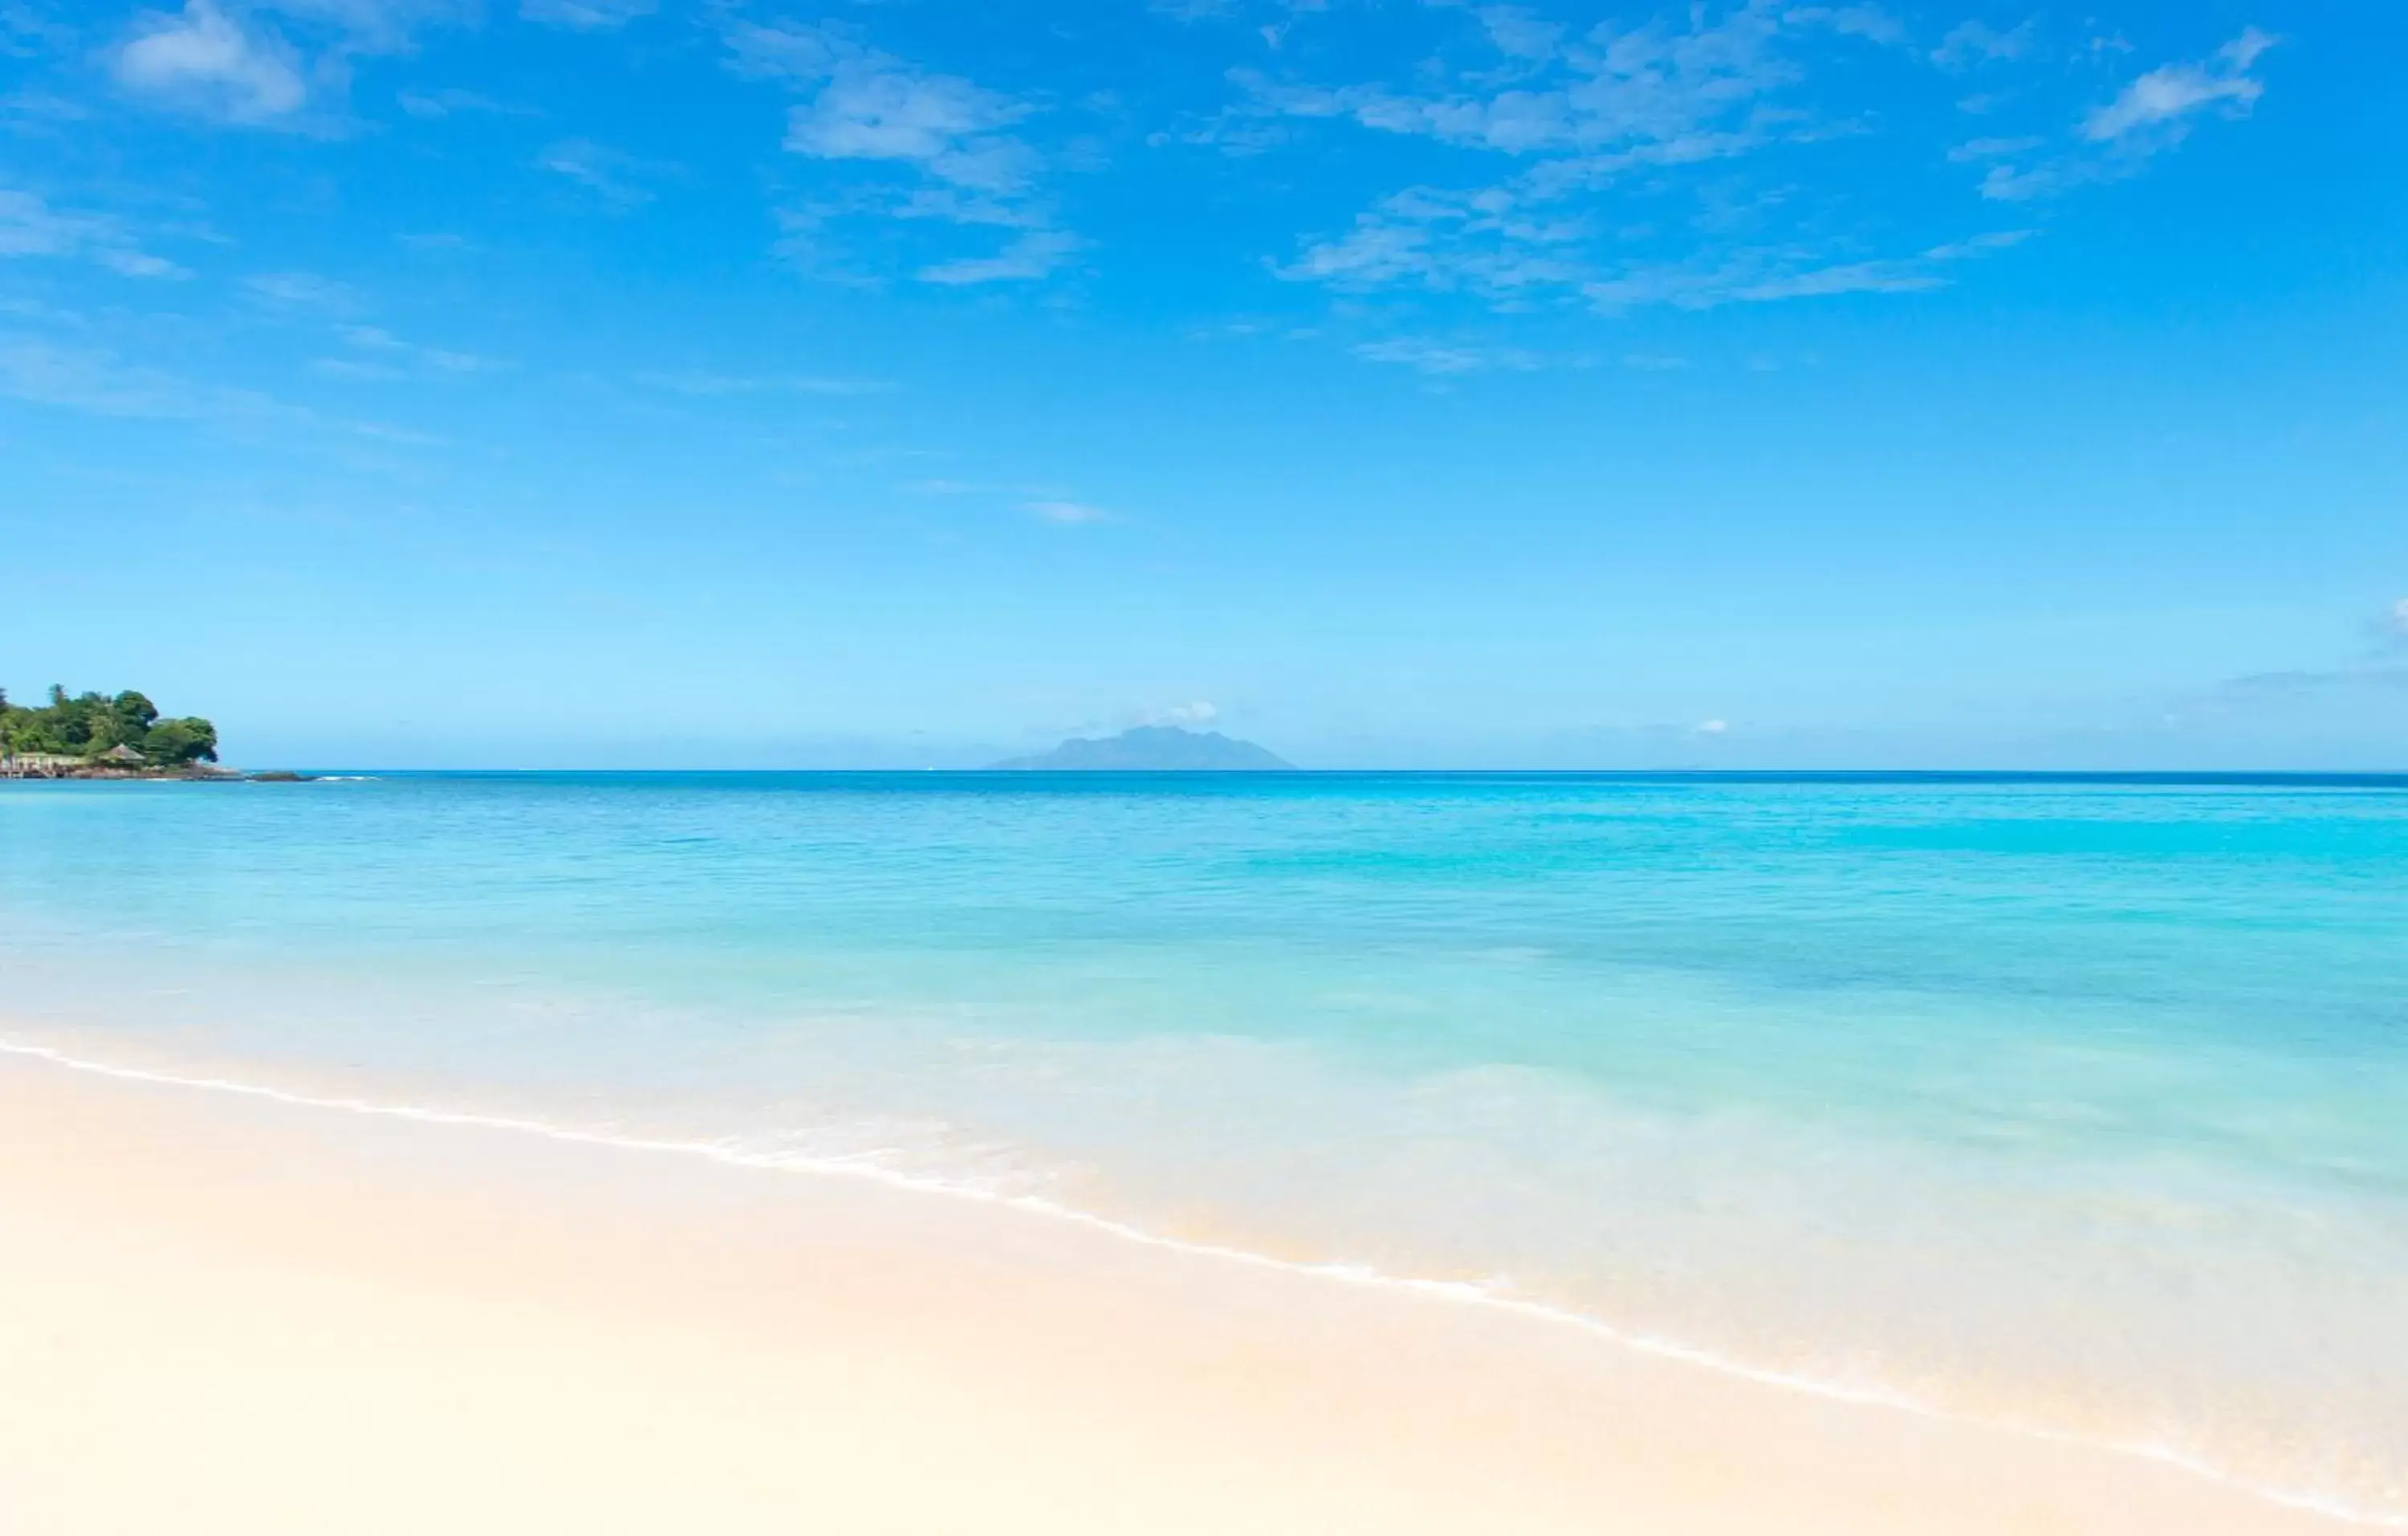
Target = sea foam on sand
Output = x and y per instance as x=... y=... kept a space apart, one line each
x=222 y=1314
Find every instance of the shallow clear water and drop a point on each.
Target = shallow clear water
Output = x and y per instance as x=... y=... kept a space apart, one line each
x=2081 y=1105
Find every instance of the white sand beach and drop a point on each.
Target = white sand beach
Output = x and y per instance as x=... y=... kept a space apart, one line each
x=219 y=1314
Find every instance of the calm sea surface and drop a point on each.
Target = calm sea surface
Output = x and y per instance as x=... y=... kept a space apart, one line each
x=2077 y=1104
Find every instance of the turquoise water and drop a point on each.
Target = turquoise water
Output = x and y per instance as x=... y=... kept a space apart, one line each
x=2076 y=1105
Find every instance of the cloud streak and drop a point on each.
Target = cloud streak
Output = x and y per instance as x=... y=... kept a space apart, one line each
x=28 y=227
x=1032 y=257
x=1592 y=119
x=584 y=15
x=1441 y=358
x=864 y=107
x=2167 y=98
x=611 y=176
x=2155 y=112
x=1065 y=512
x=711 y=385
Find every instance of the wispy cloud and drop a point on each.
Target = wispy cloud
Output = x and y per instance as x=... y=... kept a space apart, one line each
x=305 y=290
x=2276 y=690
x=1971 y=44
x=2380 y=671
x=1995 y=148
x=372 y=352
x=1490 y=243
x=276 y=63
x=1201 y=712
x=28 y=227
x=585 y=15
x=866 y=105
x=613 y=176
x=705 y=383
x=953 y=135
x=2154 y=113
x=1439 y=357
x=383 y=355
x=1585 y=115
x=99 y=382
x=1034 y=256
x=204 y=61
x=1066 y=511
x=452 y=101
x=2165 y=99
x=26 y=31
x=946 y=126
x=1769 y=275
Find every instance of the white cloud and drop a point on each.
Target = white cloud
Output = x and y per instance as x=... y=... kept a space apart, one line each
x=1197 y=713
x=1763 y=276
x=608 y=174
x=1036 y=255
x=1483 y=242
x=204 y=61
x=43 y=109
x=786 y=50
x=1994 y=148
x=952 y=205
x=28 y=227
x=866 y=106
x=1973 y=43
x=222 y=59
x=584 y=15
x=1614 y=87
x=1713 y=727
x=442 y=104
x=2395 y=620
x=706 y=383
x=25 y=32
x=872 y=110
x=2165 y=98
x=2154 y=113
x=1585 y=113
x=1066 y=511
x=1869 y=277
x=373 y=26
x=1978 y=245
x=1438 y=357
x=99 y=384
x=302 y=291
x=433 y=360
x=1870 y=22
x=1521 y=33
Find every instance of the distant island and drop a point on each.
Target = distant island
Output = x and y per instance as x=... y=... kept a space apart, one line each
x=1150 y=749
x=96 y=736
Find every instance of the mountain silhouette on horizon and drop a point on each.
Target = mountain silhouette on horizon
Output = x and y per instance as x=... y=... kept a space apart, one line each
x=1150 y=749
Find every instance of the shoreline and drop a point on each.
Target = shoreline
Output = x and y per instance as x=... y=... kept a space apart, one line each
x=1410 y=1415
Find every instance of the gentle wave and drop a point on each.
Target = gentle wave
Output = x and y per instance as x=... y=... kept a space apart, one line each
x=1492 y=1296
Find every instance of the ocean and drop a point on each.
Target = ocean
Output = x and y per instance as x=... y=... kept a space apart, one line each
x=2077 y=1104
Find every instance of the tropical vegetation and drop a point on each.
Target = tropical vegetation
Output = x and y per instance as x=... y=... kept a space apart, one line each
x=90 y=725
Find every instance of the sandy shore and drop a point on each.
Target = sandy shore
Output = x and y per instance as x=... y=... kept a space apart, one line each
x=219 y=1314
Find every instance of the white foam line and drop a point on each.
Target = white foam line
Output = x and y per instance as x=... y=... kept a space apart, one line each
x=1459 y=1292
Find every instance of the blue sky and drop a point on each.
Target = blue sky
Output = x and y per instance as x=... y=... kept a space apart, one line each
x=652 y=382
